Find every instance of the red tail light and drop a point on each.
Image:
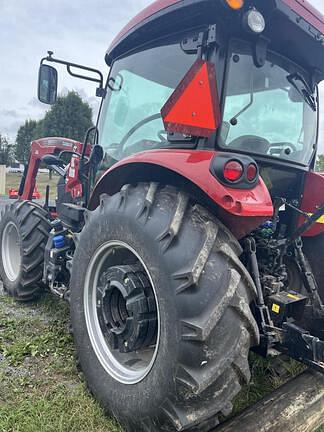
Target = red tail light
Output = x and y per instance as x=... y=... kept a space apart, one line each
x=233 y=171
x=251 y=172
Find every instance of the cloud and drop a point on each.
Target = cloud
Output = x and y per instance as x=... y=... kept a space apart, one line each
x=75 y=30
x=8 y=113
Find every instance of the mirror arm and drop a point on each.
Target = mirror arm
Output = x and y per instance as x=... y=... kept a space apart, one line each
x=100 y=80
x=68 y=67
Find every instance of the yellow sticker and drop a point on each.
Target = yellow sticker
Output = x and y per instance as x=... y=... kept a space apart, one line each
x=275 y=308
x=292 y=296
x=320 y=220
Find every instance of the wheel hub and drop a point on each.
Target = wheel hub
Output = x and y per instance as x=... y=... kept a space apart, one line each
x=126 y=309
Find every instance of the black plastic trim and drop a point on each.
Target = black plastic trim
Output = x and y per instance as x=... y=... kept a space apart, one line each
x=221 y=159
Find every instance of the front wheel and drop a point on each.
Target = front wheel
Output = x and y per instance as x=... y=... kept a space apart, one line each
x=24 y=231
x=160 y=310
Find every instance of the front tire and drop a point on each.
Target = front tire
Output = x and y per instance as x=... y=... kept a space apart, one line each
x=24 y=230
x=202 y=292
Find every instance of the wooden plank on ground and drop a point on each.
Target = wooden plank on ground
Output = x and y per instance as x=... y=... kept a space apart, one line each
x=2 y=179
x=297 y=406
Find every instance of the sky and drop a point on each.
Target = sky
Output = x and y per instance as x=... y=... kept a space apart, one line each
x=76 y=30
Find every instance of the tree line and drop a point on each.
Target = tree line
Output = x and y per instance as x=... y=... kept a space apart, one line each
x=320 y=163
x=70 y=117
x=7 y=151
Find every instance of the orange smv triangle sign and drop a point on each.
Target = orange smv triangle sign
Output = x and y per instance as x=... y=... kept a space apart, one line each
x=193 y=108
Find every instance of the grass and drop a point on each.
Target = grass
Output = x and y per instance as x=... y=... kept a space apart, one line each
x=13 y=182
x=42 y=390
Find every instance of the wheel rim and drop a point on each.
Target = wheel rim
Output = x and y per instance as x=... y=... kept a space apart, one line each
x=113 y=315
x=11 y=251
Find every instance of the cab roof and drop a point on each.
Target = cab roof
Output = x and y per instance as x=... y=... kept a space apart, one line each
x=144 y=26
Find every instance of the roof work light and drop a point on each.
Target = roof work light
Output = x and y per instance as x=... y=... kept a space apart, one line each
x=254 y=21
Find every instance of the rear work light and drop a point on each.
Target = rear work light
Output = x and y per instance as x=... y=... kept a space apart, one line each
x=235 y=4
x=233 y=171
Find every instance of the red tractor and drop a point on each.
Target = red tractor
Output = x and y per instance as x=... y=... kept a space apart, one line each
x=190 y=228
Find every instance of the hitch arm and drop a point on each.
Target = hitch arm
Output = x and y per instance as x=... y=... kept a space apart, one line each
x=311 y=220
x=304 y=347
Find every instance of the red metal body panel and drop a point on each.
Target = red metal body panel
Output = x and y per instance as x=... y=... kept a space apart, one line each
x=13 y=194
x=73 y=184
x=312 y=198
x=302 y=7
x=150 y=10
x=40 y=148
x=242 y=210
x=308 y=12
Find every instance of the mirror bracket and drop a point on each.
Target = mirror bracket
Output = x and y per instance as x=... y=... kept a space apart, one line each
x=100 y=92
x=260 y=51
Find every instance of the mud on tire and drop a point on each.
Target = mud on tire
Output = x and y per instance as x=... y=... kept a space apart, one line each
x=203 y=293
x=24 y=229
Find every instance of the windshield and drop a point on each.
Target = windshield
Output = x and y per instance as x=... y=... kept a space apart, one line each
x=269 y=110
x=138 y=87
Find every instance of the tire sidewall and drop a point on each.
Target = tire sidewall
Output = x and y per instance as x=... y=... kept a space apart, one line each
x=148 y=395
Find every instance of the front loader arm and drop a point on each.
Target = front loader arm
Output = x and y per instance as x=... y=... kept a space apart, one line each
x=40 y=148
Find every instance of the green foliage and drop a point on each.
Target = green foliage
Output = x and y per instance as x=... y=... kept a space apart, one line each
x=25 y=135
x=70 y=117
x=320 y=163
x=6 y=151
x=39 y=132
x=266 y=376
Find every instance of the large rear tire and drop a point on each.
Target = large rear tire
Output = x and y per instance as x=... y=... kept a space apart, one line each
x=199 y=301
x=24 y=229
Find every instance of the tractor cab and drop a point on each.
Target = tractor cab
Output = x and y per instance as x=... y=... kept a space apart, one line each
x=260 y=97
x=232 y=76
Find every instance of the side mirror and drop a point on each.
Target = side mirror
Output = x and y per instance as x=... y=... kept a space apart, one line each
x=47 y=84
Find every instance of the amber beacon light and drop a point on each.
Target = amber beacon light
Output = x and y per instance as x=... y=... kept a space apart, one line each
x=235 y=4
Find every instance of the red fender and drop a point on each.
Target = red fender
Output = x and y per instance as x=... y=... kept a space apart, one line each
x=313 y=197
x=240 y=209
